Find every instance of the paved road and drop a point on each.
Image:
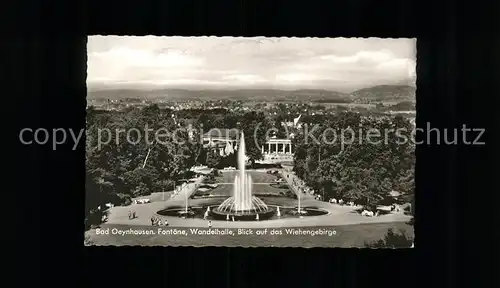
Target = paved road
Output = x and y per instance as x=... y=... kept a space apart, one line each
x=119 y=214
x=188 y=189
x=337 y=218
x=296 y=190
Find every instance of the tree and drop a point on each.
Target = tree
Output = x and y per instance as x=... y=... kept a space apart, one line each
x=99 y=188
x=213 y=159
x=206 y=121
x=392 y=240
x=255 y=126
x=202 y=157
x=230 y=160
x=279 y=124
x=360 y=171
x=140 y=181
x=116 y=170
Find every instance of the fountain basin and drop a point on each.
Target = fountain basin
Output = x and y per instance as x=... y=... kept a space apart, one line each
x=245 y=215
x=255 y=207
x=307 y=211
x=243 y=205
x=269 y=214
x=255 y=204
x=177 y=212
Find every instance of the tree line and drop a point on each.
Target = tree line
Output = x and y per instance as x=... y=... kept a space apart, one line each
x=358 y=171
x=121 y=170
x=125 y=168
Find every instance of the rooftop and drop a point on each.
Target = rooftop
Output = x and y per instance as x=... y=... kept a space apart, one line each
x=273 y=140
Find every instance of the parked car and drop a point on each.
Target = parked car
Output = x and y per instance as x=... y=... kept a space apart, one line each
x=142 y=201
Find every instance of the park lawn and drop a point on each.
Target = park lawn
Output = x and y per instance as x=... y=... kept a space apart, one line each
x=225 y=189
x=257 y=176
x=346 y=236
x=157 y=196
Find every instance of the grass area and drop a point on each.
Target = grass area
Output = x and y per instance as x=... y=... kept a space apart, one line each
x=346 y=236
x=157 y=196
x=221 y=190
x=257 y=177
x=258 y=189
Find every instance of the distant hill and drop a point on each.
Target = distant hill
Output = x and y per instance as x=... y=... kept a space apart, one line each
x=386 y=92
x=243 y=94
x=383 y=92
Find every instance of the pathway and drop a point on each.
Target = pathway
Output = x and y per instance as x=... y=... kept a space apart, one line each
x=295 y=189
x=334 y=219
x=339 y=215
x=119 y=214
x=189 y=189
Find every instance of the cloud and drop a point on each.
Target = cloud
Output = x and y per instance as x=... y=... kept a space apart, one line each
x=245 y=78
x=397 y=66
x=296 y=77
x=126 y=64
x=336 y=64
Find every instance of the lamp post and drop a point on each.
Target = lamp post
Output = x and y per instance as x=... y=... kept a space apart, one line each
x=298 y=197
x=186 y=194
x=163 y=194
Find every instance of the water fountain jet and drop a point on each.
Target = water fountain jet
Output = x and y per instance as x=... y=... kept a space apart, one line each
x=243 y=205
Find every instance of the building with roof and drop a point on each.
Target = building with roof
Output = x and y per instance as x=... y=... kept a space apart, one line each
x=225 y=142
x=222 y=141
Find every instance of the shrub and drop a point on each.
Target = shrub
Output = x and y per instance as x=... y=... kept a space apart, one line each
x=141 y=190
x=121 y=199
x=94 y=218
x=189 y=174
x=87 y=241
x=127 y=201
x=392 y=240
x=412 y=221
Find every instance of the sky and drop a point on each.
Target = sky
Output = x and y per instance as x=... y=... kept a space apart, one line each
x=339 y=64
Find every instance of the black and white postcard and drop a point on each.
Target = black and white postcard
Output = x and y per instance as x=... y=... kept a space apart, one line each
x=250 y=142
